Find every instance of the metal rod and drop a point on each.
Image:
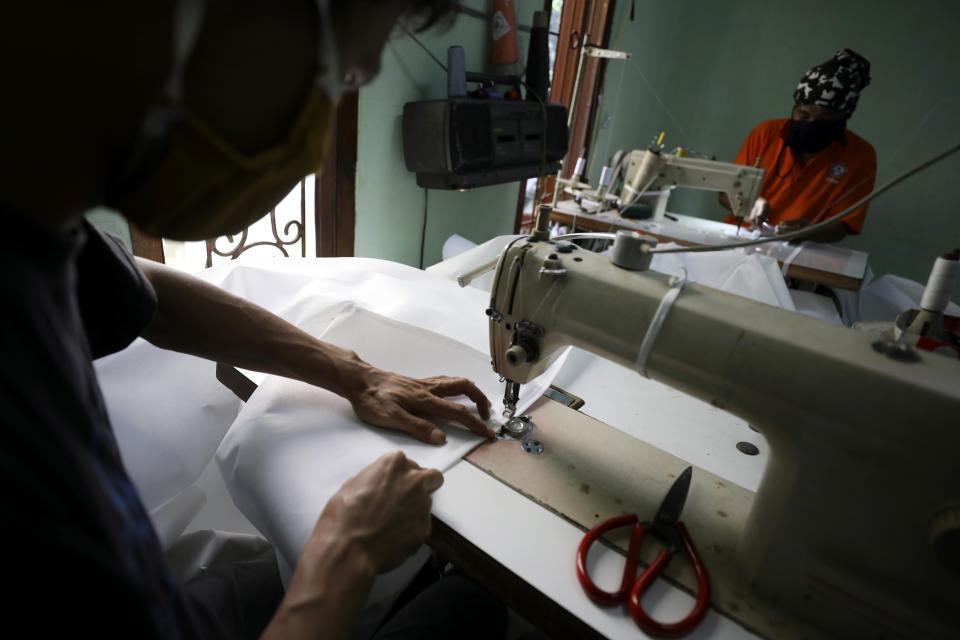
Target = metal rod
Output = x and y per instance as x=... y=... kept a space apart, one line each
x=468 y=277
x=576 y=81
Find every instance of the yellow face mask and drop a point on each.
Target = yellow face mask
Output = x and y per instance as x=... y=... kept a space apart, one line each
x=185 y=182
x=202 y=187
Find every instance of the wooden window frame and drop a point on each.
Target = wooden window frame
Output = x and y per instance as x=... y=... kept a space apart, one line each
x=335 y=193
x=581 y=21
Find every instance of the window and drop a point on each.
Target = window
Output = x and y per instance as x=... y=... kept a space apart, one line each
x=578 y=22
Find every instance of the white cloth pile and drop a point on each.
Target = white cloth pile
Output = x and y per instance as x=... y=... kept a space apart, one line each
x=292 y=445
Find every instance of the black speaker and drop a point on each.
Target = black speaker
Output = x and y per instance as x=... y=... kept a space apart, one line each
x=461 y=143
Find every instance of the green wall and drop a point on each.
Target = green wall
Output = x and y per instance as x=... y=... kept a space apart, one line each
x=390 y=205
x=720 y=68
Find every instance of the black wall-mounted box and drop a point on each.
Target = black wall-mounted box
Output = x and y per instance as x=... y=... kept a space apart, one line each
x=462 y=143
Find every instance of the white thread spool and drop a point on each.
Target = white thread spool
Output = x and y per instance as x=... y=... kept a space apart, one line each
x=578 y=169
x=605 y=176
x=940 y=284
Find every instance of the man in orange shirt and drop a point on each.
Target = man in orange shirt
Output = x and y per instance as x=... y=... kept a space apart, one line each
x=816 y=167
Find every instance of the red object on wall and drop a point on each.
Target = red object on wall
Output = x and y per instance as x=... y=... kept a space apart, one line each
x=503 y=29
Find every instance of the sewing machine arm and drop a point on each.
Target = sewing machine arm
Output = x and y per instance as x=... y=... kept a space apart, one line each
x=861 y=465
x=655 y=171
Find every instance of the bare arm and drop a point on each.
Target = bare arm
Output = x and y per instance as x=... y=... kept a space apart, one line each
x=377 y=518
x=200 y=319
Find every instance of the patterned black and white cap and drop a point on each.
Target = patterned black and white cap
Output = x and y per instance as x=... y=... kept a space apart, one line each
x=836 y=83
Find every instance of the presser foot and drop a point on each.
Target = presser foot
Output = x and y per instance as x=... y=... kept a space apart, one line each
x=516 y=428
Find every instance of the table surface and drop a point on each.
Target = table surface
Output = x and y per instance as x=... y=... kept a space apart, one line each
x=822 y=263
x=538 y=545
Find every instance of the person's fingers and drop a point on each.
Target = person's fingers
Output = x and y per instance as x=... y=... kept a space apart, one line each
x=396 y=461
x=422 y=430
x=412 y=464
x=446 y=387
x=439 y=407
x=793 y=224
x=430 y=479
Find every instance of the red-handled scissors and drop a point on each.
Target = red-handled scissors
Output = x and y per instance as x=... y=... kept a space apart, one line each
x=673 y=534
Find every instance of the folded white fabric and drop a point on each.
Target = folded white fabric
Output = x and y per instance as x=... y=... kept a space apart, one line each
x=739 y=272
x=293 y=445
x=169 y=411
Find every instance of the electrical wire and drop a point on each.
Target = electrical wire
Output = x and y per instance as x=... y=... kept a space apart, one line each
x=543 y=140
x=597 y=124
x=423 y=230
x=422 y=46
x=586 y=235
x=802 y=233
x=683 y=133
x=806 y=232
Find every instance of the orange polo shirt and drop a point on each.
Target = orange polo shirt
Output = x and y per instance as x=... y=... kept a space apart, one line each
x=833 y=180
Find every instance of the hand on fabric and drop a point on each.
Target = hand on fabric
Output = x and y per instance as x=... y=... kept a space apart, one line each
x=792 y=225
x=371 y=525
x=393 y=401
x=834 y=231
x=383 y=512
x=759 y=213
x=203 y=320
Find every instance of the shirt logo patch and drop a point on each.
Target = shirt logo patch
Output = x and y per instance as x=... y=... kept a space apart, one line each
x=838 y=170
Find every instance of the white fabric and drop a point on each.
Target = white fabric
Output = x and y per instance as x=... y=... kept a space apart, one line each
x=463 y=260
x=170 y=413
x=294 y=445
x=174 y=516
x=816 y=306
x=882 y=299
x=455 y=245
x=742 y=273
x=388 y=288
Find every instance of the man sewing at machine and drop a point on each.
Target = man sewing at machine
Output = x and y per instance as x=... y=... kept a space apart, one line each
x=174 y=114
x=816 y=167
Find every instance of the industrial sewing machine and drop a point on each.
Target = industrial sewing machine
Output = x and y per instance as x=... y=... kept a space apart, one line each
x=858 y=511
x=655 y=172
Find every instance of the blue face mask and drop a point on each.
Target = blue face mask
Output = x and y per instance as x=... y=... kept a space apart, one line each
x=805 y=136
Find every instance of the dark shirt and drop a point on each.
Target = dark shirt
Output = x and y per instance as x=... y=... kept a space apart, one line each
x=84 y=554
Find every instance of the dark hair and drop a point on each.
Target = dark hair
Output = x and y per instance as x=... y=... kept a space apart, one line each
x=417 y=15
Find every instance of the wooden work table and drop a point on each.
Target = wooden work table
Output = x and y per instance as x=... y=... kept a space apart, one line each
x=810 y=261
x=513 y=520
x=586 y=473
